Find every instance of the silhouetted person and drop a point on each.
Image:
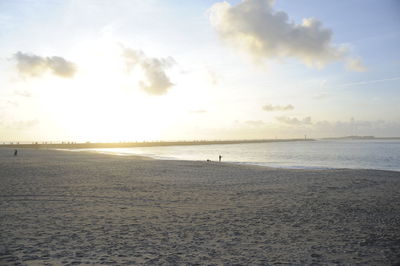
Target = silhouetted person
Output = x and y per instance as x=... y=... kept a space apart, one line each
x=220 y=157
x=15 y=152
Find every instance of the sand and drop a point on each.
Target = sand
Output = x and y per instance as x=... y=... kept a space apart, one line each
x=60 y=207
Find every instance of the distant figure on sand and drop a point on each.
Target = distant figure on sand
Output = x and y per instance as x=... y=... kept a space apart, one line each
x=220 y=157
x=15 y=152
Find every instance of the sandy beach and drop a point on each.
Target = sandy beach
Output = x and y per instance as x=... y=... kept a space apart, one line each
x=59 y=207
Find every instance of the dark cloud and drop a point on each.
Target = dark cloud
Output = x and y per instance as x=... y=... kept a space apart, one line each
x=272 y=108
x=34 y=65
x=61 y=67
x=156 y=80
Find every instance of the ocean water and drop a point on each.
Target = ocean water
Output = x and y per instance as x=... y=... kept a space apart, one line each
x=320 y=154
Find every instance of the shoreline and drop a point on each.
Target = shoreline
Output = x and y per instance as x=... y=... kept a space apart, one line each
x=148 y=157
x=295 y=167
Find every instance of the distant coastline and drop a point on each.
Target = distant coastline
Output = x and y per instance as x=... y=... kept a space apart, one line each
x=362 y=138
x=88 y=145
x=99 y=145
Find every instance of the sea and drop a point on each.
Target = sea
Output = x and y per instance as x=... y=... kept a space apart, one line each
x=318 y=154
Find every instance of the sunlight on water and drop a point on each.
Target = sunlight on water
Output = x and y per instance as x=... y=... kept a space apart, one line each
x=357 y=154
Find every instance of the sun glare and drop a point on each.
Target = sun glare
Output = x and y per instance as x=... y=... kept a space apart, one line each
x=103 y=103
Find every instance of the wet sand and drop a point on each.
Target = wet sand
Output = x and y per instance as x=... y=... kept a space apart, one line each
x=60 y=207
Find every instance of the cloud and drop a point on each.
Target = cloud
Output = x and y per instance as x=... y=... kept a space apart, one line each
x=323 y=128
x=7 y=103
x=258 y=129
x=156 y=80
x=23 y=93
x=358 y=128
x=12 y=103
x=60 y=66
x=20 y=125
x=26 y=124
x=253 y=26
x=321 y=96
x=34 y=65
x=272 y=108
x=293 y=121
x=355 y=64
x=200 y=111
x=368 y=82
x=255 y=123
x=213 y=77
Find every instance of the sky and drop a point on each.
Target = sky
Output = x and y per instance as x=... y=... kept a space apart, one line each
x=136 y=70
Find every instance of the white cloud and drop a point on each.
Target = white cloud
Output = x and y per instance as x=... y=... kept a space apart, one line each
x=26 y=124
x=34 y=65
x=368 y=82
x=156 y=80
x=379 y=128
x=318 y=129
x=255 y=123
x=23 y=93
x=293 y=121
x=200 y=111
x=20 y=125
x=6 y=103
x=321 y=96
x=272 y=108
x=213 y=77
x=324 y=128
x=355 y=64
x=253 y=26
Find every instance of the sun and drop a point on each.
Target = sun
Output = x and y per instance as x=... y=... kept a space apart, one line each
x=102 y=102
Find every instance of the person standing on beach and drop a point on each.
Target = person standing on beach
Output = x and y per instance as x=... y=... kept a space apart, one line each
x=220 y=157
x=15 y=152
